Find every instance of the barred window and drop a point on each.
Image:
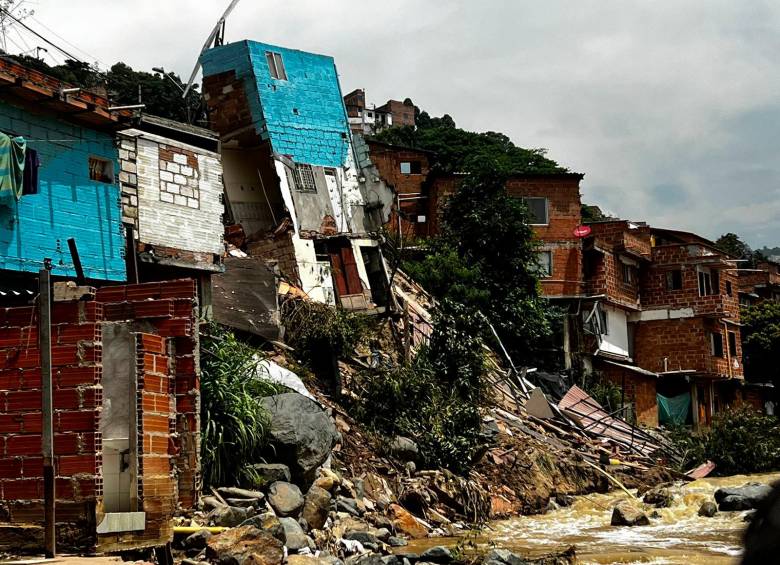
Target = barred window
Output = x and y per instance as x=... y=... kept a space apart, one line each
x=304 y=178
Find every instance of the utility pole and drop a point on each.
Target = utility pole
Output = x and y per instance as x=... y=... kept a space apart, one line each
x=47 y=435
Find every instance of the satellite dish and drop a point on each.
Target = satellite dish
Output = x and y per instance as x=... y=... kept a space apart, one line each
x=217 y=37
x=582 y=231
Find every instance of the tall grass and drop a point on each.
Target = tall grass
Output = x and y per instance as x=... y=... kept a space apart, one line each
x=233 y=423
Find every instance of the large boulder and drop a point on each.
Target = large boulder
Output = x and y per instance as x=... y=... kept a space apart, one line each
x=437 y=554
x=746 y=497
x=626 y=514
x=245 y=545
x=264 y=474
x=268 y=522
x=301 y=433
x=315 y=507
x=228 y=516
x=285 y=498
x=660 y=497
x=504 y=556
x=406 y=523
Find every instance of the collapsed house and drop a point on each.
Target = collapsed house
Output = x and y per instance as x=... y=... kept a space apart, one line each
x=294 y=193
x=89 y=204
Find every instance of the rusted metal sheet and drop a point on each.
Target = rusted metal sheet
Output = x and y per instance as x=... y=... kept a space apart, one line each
x=245 y=297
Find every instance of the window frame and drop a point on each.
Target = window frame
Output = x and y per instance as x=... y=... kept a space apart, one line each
x=105 y=161
x=716 y=345
x=628 y=273
x=548 y=273
x=300 y=182
x=532 y=221
x=732 y=343
x=708 y=280
x=275 y=63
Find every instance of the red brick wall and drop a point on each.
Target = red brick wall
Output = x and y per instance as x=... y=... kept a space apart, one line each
x=161 y=314
x=280 y=249
x=563 y=194
x=640 y=390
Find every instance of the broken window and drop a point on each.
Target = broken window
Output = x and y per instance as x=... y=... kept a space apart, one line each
x=101 y=170
x=276 y=65
x=716 y=344
x=708 y=282
x=304 y=178
x=537 y=210
x=674 y=280
x=729 y=289
x=732 y=344
x=544 y=261
x=628 y=274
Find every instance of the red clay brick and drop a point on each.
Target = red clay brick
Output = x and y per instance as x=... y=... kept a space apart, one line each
x=10 y=468
x=23 y=445
x=82 y=421
x=75 y=464
x=23 y=400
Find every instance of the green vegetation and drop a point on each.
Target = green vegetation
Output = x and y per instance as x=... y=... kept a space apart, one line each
x=458 y=150
x=731 y=243
x=761 y=341
x=233 y=423
x=486 y=260
x=740 y=440
x=124 y=85
x=436 y=400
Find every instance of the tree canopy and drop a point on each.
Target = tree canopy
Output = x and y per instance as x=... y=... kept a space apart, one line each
x=732 y=244
x=761 y=341
x=458 y=150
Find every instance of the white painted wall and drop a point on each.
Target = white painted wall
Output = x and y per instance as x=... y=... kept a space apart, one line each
x=616 y=340
x=176 y=225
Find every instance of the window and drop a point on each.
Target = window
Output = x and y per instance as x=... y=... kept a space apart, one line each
x=729 y=290
x=674 y=280
x=628 y=274
x=603 y=321
x=708 y=282
x=544 y=260
x=411 y=168
x=101 y=170
x=732 y=344
x=304 y=178
x=716 y=344
x=537 y=210
x=276 y=65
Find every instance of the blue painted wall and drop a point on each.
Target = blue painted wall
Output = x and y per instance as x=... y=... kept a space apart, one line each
x=68 y=204
x=303 y=116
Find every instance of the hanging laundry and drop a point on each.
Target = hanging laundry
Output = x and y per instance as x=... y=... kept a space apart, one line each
x=31 y=164
x=12 y=155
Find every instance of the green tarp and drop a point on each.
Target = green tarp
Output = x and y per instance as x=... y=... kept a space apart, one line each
x=674 y=410
x=11 y=166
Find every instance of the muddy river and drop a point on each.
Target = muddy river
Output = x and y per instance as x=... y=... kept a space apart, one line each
x=679 y=536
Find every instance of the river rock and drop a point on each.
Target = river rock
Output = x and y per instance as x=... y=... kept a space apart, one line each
x=660 y=497
x=315 y=507
x=228 y=516
x=503 y=556
x=746 y=497
x=437 y=554
x=327 y=480
x=404 y=449
x=240 y=493
x=396 y=541
x=708 y=509
x=285 y=498
x=268 y=522
x=244 y=545
x=301 y=433
x=406 y=523
x=296 y=538
x=307 y=560
x=367 y=539
x=348 y=505
x=625 y=514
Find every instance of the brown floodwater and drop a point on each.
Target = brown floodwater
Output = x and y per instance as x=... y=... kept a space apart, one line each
x=678 y=537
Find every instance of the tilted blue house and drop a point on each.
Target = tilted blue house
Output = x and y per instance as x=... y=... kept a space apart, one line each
x=70 y=186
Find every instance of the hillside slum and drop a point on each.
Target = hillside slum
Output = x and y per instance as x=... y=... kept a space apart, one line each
x=124 y=235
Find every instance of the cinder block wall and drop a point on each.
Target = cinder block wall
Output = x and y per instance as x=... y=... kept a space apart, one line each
x=162 y=320
x=68 y=204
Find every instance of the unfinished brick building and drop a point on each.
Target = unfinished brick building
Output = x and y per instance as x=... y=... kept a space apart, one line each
x=553 y=201
x=126 y=417
x=664 y=313
x=759 y=284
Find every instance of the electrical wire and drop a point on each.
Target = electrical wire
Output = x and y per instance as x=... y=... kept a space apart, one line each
x=39 y=36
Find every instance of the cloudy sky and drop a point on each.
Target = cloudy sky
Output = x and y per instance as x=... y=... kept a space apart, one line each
x=671 y=108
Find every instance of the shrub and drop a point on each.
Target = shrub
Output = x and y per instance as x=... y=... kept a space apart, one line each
x=743 y=440
x=233 y=423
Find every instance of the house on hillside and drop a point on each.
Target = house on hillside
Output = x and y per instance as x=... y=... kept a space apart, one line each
x=292 y=183
x=124 y=358
x=367 y=120
x=759 y=284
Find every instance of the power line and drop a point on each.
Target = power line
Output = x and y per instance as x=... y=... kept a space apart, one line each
x=76 y=47
x=28 y=28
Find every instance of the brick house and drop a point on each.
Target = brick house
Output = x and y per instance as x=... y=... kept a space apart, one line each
x=366 y=120
x=397 y=114
x=553 y=201
x=665 y=314
x=759 y=284
x=291 y=180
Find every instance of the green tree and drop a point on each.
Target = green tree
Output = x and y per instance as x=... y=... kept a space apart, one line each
x=761 y=341
x=732 y=244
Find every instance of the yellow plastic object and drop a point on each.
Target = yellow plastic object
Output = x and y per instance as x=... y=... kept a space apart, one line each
x=192 y=529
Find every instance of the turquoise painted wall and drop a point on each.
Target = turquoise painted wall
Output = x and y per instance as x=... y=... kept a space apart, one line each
x=68 y=204
x=303 y=116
